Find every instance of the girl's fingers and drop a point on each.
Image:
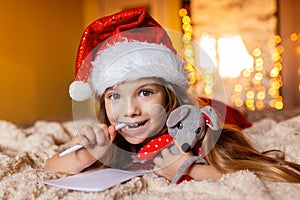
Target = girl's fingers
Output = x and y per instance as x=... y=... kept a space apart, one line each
x=112 y=133
x=84 y=141
x=102 y=134
x=99 y=134
x=165 y=153
x=157 y=170
x=90 y=135
x=158 y=161
x=87 y=136
x=75 y=140
x=163 y=159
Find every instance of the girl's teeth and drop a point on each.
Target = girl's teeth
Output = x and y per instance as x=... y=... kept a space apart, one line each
x=134 y=126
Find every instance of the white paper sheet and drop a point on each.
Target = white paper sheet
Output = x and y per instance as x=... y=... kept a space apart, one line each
x=94 y=181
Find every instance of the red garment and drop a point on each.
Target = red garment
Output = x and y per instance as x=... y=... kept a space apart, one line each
x=184 y=178
x=232 y=115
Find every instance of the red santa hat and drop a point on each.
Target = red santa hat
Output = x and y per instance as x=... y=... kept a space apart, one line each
x=124 y=46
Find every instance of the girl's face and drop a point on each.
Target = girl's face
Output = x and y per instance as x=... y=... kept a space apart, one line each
x=140 y=104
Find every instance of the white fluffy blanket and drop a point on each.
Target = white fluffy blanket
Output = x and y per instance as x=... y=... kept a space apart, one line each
x=23 y=153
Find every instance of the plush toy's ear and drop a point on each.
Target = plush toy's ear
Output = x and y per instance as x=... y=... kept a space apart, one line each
x=177 y=115
x=210 y=117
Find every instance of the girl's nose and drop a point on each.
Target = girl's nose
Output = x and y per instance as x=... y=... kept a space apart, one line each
x=133 y=108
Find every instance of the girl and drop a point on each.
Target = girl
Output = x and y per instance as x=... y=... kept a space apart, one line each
x=139 y=79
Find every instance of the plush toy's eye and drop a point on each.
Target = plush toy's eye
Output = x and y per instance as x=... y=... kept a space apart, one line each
x=198 y=130
x=179 y=125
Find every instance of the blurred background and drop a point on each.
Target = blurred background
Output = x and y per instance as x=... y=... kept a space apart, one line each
x=254 y=45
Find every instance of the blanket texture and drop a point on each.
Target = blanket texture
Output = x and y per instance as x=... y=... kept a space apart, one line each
x=24 y=151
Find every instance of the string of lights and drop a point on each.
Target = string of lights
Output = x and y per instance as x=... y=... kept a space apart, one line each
x=188 y=53
x=256 y=88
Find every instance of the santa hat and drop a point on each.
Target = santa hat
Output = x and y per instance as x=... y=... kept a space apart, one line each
x=125 y=46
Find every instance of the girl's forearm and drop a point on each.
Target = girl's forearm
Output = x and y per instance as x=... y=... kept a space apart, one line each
x=72 y=163
x=203 y=172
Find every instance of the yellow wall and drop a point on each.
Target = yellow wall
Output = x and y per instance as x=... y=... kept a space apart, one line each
x=39 y=41
x=163 y=11
x=38 y=46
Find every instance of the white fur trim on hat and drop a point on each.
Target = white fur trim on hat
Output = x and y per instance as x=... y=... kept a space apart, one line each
x=80 y=91
x=131 y=60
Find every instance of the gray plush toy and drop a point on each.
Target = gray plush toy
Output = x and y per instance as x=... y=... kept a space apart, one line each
x=187 y=125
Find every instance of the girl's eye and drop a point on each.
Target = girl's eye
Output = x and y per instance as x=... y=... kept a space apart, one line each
x=145 y=93
x=114 y=96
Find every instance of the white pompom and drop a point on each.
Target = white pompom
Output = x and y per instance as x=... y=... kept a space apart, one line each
x=80 y=91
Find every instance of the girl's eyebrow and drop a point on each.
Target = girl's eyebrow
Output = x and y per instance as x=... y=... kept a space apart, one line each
x=112 y=89
x=148 y=84
x=108 y=92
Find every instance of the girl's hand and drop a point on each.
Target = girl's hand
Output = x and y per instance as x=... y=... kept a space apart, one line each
x=168 y=164
x=97 y=139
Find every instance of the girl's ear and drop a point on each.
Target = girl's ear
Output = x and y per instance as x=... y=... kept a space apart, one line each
x=177 y=115
x=210 y=117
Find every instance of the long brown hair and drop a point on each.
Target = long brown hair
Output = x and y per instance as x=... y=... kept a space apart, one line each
x=228 y=152
x=232 y=152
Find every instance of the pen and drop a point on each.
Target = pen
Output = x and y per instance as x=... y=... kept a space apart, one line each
x=79 y=146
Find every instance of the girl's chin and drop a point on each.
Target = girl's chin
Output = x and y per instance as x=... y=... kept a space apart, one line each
x=133 y=140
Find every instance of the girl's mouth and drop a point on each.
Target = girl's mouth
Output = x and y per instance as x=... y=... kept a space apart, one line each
x=135 y=126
